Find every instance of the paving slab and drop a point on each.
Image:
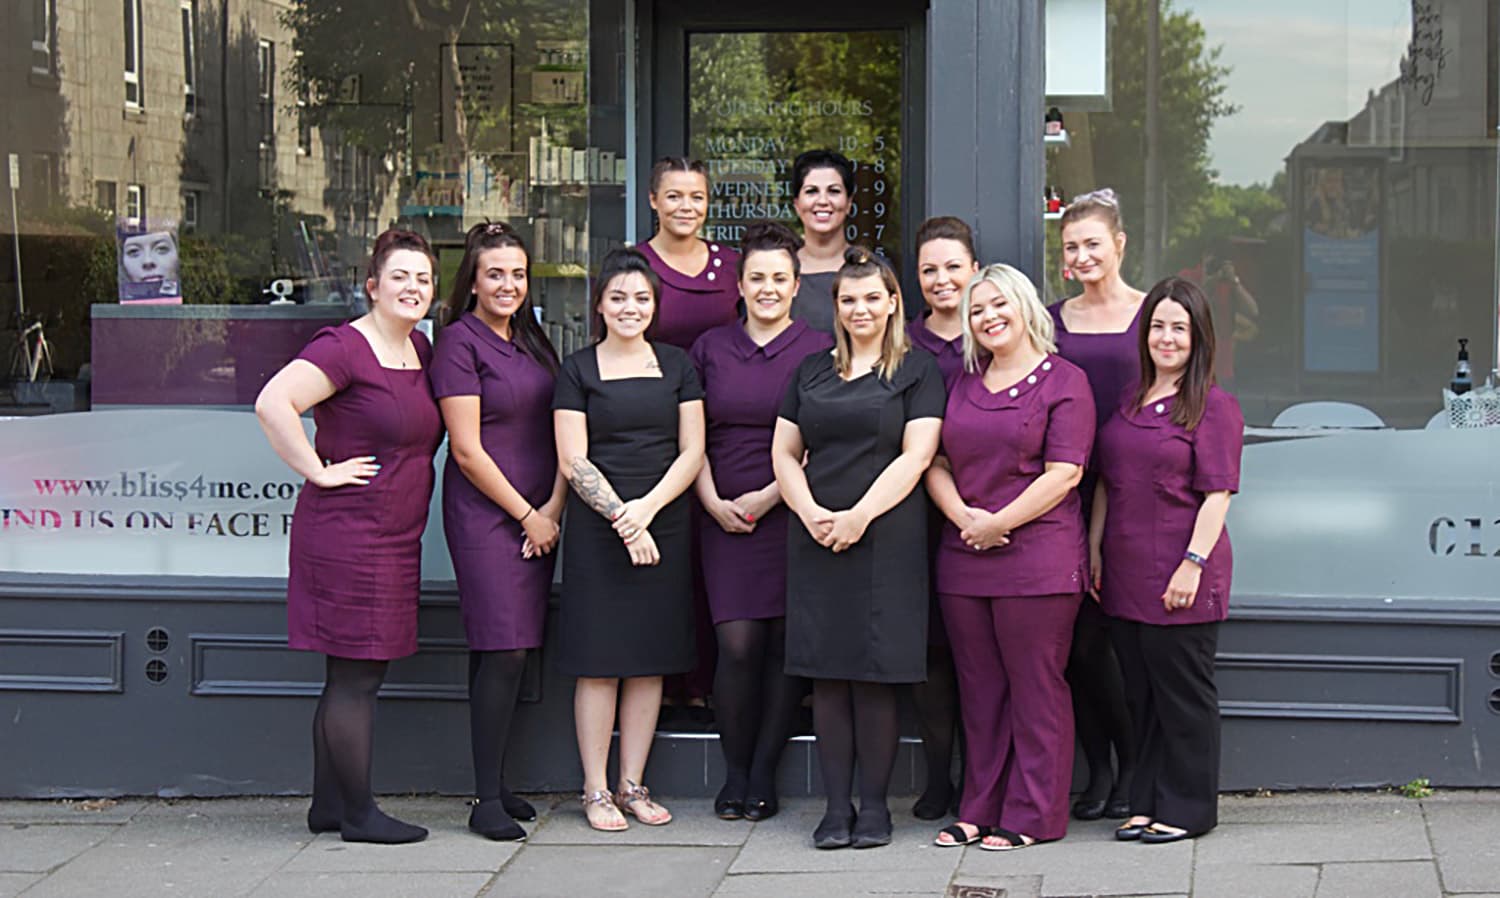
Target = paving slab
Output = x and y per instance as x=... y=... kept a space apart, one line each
x=1412 y=879
x=1089 y=862
x=624 y=871
x=372 y=885
x=1256 y=881
x=448 y=848
x=693 y=823
x=783 y=844
x=1316 y=807
x=1466 y=840
x=29 y=848
x=968 y=886
x=150 y=858
x=1394 y=839
x=106 y=811
x=836 y=885
x=12 y=884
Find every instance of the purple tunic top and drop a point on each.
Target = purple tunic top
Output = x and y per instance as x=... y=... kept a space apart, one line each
x=503 y=597
x=949 y=353
x=1155 y=475
x=745 y=573
x=689 y=305
x=997 y=444
x=356 y=551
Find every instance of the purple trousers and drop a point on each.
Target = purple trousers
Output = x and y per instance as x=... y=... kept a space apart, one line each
x=1010 y=654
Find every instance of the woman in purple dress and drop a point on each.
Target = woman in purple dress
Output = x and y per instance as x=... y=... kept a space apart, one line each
x=945 y=263
x=1012 y=560
x=356 y=541
x=1161 y=559
x=493 y=374
x=745 y=368
x=1097 y=331
x=628 y=414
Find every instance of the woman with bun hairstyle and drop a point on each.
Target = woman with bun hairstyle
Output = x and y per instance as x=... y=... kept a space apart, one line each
x=1162 y=562
x=822 y=194
x=354 y=572
x=628 y=414
x=698 y=289
x=945 y=263
x=745 y=368
x=494 y=373
x=1012 y=560
x=1097 y=331
x=865 y=418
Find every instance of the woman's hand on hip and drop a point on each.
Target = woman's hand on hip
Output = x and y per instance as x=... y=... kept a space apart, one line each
x=357 y=471
x=1182 y=589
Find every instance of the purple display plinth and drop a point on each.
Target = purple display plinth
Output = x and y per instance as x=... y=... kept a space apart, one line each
x=196 y=355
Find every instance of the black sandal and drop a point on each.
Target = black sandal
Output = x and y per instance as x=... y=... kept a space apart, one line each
x=960 y=838
x=1016 y=840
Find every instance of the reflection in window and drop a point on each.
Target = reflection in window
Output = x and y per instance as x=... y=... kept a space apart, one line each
x=43 y=34
x=266 y=93
x=134 y=96
x=189 y=15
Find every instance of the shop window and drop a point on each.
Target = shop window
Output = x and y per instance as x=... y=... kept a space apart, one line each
x=266 y=92
x=189 y=15
x=135 y=204
x=43 y=37
x=134 y=87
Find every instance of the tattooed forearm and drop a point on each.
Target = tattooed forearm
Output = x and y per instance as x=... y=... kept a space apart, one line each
x=592 y=488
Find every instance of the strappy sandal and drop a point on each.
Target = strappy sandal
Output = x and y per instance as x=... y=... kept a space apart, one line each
x=1014 y=841
x=959 y=837
x=627 y=798
x=602 y=813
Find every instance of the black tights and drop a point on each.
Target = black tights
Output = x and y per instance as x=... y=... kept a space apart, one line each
x=343 y=746
x=936 y=704
x=754 y=701
x=1101 y=715
x=856 y=720
x=494 y=683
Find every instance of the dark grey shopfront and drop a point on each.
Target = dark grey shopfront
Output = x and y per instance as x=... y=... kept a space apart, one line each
x=181 y=684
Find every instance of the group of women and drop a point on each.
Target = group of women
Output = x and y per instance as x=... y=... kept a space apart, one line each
x=759 y=441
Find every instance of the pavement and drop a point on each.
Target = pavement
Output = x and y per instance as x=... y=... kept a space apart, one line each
x=1295 y=845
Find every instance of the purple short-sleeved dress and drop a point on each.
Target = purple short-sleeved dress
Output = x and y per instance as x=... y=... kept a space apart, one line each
x=689 y=305
x=1155 y=474
x=503 y=597
x=745 y=573
x=356 y=551
x=1111 y=361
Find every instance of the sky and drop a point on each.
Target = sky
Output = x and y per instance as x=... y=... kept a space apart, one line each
x=1295 y=65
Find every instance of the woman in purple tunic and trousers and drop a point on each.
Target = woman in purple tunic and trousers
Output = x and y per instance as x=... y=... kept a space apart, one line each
x=493 y=373
x=1161 y=559
x=356 y=541
x=945 y=263
x=1097 y=331
x=1012 y=561
x=745 y=368
x=865 y=418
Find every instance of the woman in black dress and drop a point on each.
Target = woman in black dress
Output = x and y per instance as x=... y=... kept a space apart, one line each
x=629 y=419
x=867 y=418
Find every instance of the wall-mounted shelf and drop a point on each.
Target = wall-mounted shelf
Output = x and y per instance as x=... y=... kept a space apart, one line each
x=1057 y=140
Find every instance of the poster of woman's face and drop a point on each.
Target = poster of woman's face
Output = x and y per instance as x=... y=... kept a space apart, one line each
x=149 y=266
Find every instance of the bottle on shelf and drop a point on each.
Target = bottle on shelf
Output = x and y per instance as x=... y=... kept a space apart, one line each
x=1463 y=378
x=1052 y=124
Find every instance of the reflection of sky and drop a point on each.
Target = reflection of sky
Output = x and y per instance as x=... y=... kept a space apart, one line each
x=1295 y=65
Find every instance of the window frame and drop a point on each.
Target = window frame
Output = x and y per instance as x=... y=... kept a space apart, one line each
x=192 y=210
x=135 y=196
x=135 y=83
x=187 y=11
x=265 y=89
x=304 y=119
x=44 y=37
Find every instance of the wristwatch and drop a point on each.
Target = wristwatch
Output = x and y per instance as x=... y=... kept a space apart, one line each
x=1195 y=558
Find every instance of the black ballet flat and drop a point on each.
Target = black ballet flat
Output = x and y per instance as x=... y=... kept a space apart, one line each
x=1117 y=809
x=833 y=832
x=517 y=807
x=490 y=819
x=729 y=809
x=761 y=808
x=1088 y=809
x=933 y=804
x=1153 y=836
x=1130 y=833
x=872 y=828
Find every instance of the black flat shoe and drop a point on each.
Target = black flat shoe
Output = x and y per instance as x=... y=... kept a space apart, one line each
x=491 y=820
x=1088 y=809
x=872 y=828
x=1117 y=809
x=833 y=832
x=933 y=805
x=761 y=808
x=729 y=809
x=518 y=808
x=1153 y=836
x=1130 y=833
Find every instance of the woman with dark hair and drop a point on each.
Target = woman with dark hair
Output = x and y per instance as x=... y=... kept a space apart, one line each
x=356 y=541
x=1161 y=561
x=493 y=374
x=822 y=191
x=1097 y=331
x=945 y=263
x=745 y=368
x=697 y=277
x=1012 y=561
x=628 y=414
x=866 y=418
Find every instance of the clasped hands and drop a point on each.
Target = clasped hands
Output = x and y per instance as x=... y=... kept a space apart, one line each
x=631 y=521
x=836 y=530
x=981 y=530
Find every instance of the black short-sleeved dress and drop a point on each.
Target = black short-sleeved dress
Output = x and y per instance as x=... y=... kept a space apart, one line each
x=860 y=614
x=616 y=619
